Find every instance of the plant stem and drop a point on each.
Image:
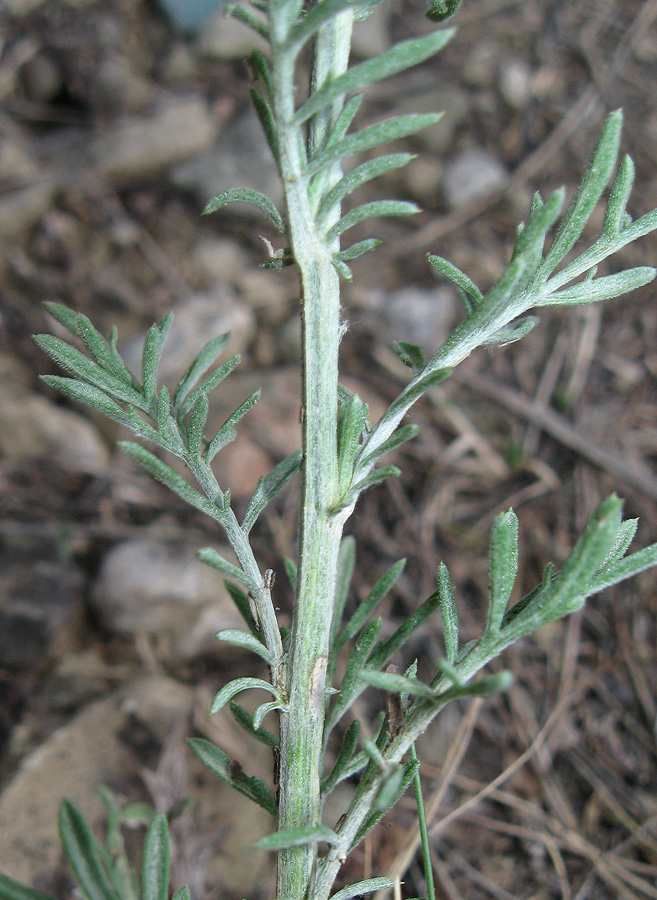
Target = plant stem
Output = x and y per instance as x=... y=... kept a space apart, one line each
x=320 y=533
x=422 y=823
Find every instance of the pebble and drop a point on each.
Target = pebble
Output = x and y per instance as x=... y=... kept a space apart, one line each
x=28 y=189
x=190 y=16
x=136 y=146
x=119 y=88
x=473 y=174
x=163 y=590
x=239 y=158
x=42 y=77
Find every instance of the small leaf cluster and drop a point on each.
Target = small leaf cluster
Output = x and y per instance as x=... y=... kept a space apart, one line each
x=172 y=421
x=102 y=870
x=321 y=138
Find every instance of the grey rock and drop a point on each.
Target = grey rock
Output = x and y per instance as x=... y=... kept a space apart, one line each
x=239 y=158
x=119 y=87
x=179 y=128
x=43 y=78
x=475 y=173
x=162 y=589
x=32 y=426
x=224 y=37
x=41 y=608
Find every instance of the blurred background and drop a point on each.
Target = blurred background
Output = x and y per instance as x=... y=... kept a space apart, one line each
x=118 y=121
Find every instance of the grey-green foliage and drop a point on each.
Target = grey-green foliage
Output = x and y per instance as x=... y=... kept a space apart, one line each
x=102 y=870
x=310 y=136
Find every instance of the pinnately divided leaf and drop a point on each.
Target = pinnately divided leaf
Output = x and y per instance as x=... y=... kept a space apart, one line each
x=269 y=487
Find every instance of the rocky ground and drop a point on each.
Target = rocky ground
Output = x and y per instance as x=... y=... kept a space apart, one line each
x=114 y=131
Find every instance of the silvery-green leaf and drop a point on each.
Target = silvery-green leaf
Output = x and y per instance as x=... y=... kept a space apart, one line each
x=370 y=821
x=241 y=601
x=210 y=557
x=376 y=477
x=156 y=862
x=359 y=176
x=246 y=195
x=398 y=58
x=599 y=171
x=369 y=886
x=245 y=719
x=468 y=290
x=385 y=649
x=245 y=641
x=604 y=288
x=345 y=572
x=344 y=120
x=182 y=894
x=349 y=744
x=102 y=352
x=269 y=487
x=266 y=116
x=168 y=476
x=503 y=567
x=401 y=436
x=291 y=571
x=151 y=356
x=372 y=211
x=264 y=709
x=369 y=604
x=357 y=249
x=352 y=684
x=81 y=854
x=231 y=773
x=207 y=356
x=76 y=363
x=624 y=568
x=227 y=431
x=197 y=420
x=342 y=268
x=65 y=316
x=318 y=15
x=237 y=686
x=298 y=837
x=350 y=427
x=411 y=355
x=618 y=197
x=373 y=136
x=395 y=683
x=261 y=68
x=443 y=9
x=87 y=394
x=450 y=613
x=249 y=17
x=209 y=384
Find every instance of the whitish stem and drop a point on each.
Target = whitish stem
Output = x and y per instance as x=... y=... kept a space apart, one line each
x=302 y=725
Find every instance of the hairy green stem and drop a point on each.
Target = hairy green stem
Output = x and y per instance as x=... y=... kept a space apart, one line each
x=302 y=725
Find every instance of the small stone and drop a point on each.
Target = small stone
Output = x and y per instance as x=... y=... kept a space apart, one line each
x=28 y=189
x=179 y=65
x=481 y=63
x=220 y=259
x=475 y=173
x=225 y=37
x=190 y=16
x=240 y=157
x=267 y=291
x=515 y=82
x=32 y=426
x=424 y=180
x=181 y=128
x=162 y=589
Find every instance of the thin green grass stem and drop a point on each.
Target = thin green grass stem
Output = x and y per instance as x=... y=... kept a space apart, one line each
x=424 y=834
